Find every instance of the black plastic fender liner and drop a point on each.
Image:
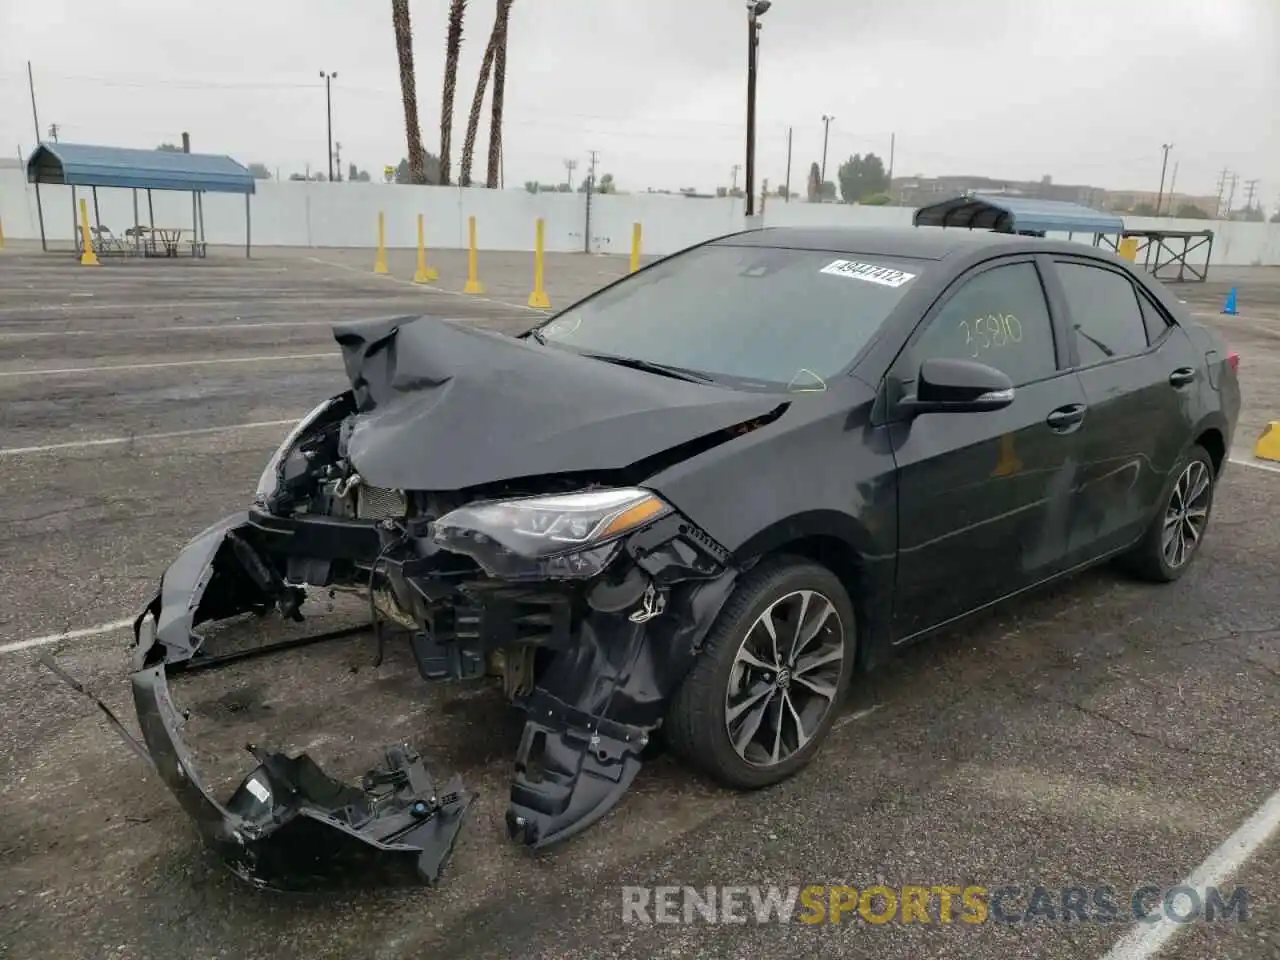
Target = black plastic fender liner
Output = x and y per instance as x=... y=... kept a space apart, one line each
x=289 y=826
x=591 y=716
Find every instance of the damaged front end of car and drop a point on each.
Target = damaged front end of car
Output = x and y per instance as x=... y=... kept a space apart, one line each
x=586 y=597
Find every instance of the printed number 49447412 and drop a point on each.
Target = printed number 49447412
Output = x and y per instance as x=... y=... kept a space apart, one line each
x=994 y=330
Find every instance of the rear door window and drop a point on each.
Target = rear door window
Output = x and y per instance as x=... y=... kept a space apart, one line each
x=1105 y=314
x=1152 y=319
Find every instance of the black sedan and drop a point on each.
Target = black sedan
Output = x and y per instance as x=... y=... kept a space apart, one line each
x=696 y=502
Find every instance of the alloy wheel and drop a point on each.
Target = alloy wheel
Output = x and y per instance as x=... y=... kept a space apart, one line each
x=1187 y=514
x=784 y=677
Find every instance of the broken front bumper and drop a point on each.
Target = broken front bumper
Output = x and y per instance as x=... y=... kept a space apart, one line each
x=601 y=694
x=288 y=825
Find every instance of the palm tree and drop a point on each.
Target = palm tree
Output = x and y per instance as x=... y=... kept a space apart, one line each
x=499 y=86
x=477 y=104
x=453 y=47
x=404 y=51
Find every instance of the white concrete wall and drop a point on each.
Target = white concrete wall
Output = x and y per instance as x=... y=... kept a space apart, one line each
x=345 y=215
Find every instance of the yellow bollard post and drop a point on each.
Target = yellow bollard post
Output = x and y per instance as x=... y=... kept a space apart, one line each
x=424 y=273
x=473 y=268
x=539 y=296
x=380 y=262
x=1128 y=249
x=635 y=247
x=1 y=234
x=88 y=258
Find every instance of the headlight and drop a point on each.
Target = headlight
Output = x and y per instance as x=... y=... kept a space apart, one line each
x=270 y=478
x=566 y=536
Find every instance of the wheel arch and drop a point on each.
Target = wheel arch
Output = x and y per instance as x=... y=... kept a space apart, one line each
x=838 y=543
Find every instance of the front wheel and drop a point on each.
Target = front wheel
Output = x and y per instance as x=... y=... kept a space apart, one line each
x=1165 y=551
x=771 y=676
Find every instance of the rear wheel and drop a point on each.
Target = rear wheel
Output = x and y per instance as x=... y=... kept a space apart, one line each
x=772 y=674
x=1170 y=543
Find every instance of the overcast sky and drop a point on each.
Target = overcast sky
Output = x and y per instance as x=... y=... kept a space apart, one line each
x=1083 y=90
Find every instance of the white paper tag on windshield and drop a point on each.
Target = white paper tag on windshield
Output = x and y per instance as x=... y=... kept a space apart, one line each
x=885 y=276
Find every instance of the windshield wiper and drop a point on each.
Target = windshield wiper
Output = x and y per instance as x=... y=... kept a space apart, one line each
x=648 y=366
x=537 y=335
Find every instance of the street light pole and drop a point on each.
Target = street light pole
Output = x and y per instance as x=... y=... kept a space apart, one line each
x=755 y=9
x=1166 y=147
x=328 y=102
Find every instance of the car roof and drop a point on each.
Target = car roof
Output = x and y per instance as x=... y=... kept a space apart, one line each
x=924 y=243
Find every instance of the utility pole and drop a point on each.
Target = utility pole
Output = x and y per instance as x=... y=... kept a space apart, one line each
x=1173 y=182
x=591 y=185
x=1166 y=147
x=35 y=116
x=787 y=198
x=1235 y=178
x=736 y=168
x=826 y=132
x=570 y=165
x=764 y=194
x=328 y=78
x=893 y=144
x=755 y=10
x=337 y=161
x=53 y=132
x=1251 y=187
x=1222 y=185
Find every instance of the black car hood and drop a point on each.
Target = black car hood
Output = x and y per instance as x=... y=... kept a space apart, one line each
x=445 y=407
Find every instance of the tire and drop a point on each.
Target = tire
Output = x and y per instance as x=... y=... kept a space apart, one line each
x=1148 y=559
x=698 y=723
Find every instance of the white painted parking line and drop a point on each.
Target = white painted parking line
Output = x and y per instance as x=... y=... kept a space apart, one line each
x=139 y=437
x=49 y=638
x=194 y=327
x=1255 y=464
x=169 y=363
x=200 y=328
x=1146 y=940
x=856 y=715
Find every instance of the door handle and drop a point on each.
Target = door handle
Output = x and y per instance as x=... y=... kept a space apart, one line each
x=1182 y=377
x=1067 y=418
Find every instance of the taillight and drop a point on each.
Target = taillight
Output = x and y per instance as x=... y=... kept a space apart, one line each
x=1233 y=361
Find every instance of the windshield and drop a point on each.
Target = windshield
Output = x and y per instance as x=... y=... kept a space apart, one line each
x=753 y=315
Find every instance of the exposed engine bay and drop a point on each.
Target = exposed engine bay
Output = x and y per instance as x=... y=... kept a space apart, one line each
x=582 y=593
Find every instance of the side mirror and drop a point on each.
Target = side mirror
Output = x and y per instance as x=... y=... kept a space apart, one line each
x=958 y=386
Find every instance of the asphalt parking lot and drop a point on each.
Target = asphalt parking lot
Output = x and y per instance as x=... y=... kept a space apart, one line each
x=1101 y=733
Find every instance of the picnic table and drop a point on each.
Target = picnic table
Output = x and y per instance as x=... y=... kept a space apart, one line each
x=169 y=239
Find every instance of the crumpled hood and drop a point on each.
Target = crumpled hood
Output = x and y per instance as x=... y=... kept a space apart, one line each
x=445 y=406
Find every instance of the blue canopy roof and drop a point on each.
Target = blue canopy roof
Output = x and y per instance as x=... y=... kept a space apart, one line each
x=1016 y=215
x=89 y=166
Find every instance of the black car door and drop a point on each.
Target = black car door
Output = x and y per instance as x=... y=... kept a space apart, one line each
x=984 y=498
x=1139 y=373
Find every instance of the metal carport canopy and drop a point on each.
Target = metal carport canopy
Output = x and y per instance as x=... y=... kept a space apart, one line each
x=1016 y=214
x=83 y=165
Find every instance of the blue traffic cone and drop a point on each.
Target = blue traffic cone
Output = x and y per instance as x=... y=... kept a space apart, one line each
x=1230 y=306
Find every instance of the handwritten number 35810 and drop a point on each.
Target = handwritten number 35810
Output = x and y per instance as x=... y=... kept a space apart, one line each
x=993 y=330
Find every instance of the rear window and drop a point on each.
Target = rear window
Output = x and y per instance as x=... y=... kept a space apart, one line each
x=746 y=315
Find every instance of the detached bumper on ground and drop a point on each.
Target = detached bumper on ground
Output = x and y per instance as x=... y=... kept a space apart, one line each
x=610 y=657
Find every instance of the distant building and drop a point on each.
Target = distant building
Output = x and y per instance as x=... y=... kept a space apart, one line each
x=919 y=191
x=1169 y=204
